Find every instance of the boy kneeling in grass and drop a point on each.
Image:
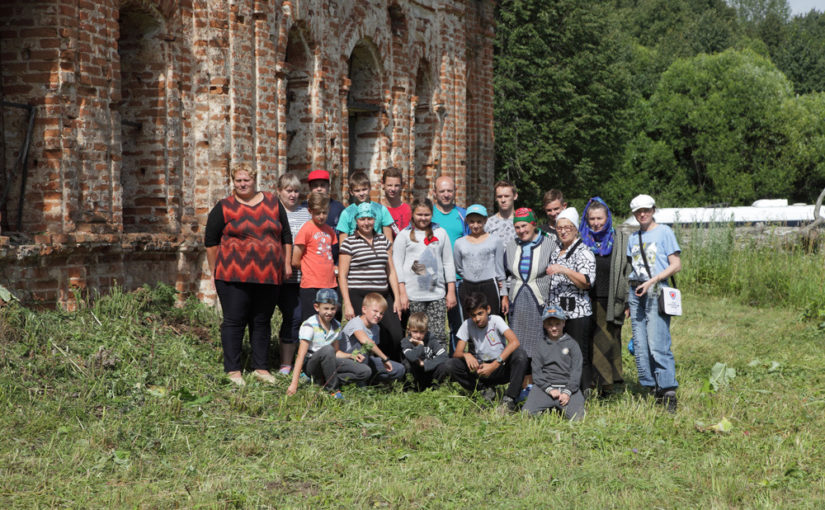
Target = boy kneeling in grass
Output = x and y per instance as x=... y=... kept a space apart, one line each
x=424 y=352
x=319 y=336
x=495 y=356
x=557 y=369
x=361 y=337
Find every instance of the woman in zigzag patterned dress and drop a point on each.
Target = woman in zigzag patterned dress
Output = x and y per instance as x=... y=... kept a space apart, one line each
x=248 y=247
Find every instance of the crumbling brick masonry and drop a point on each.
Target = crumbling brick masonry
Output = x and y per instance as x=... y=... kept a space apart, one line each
x=138 y=108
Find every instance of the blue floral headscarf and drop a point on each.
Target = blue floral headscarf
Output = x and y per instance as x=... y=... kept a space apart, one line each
x=601 y=242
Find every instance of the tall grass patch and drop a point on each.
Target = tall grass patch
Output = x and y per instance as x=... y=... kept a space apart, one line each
x=759 y=271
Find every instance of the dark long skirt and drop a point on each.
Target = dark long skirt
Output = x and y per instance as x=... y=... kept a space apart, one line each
x=607 y=347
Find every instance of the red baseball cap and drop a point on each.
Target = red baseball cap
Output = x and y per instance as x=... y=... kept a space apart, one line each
x=318 y=175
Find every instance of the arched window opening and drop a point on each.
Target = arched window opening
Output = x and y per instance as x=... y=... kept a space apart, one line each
x=142 y=113
x=364 y=109
x=425 y=159
x=299 y=121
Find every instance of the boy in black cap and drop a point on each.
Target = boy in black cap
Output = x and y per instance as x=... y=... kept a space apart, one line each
x=557 y=370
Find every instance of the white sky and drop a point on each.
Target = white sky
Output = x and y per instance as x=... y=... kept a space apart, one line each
x=803 y=6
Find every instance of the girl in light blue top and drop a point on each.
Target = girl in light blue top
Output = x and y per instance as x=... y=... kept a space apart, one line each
x=479 y=260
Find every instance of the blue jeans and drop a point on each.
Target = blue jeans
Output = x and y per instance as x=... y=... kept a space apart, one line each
x=651 y=341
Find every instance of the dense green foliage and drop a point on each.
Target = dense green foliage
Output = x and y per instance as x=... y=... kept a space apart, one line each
x=561 y=93
x=798 y=48
x=713 y=128
x=692 y=101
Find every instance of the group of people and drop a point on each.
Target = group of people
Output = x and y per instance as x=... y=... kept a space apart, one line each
x=440 y=292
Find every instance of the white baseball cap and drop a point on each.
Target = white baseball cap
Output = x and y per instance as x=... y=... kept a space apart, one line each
x=642 y=202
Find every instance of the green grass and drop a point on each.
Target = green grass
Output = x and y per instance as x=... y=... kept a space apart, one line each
x=768 y=271
x=124 y=404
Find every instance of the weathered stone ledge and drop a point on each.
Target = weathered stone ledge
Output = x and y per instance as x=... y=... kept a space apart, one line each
x=40 y=245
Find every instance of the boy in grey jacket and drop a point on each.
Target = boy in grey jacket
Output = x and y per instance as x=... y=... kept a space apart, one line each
x=423 y=353
x=557 y=369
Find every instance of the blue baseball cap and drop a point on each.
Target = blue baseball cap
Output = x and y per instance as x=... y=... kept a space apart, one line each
x=477 y=209
x=328 y=296
x=553 y=312
x=364 y=210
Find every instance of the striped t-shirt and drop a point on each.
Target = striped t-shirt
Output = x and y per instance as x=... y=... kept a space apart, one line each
x=368 y=267
x=297 y=218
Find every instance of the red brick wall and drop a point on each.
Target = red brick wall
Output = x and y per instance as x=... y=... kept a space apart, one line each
x=143 y=106
x=480 y=173
x=31 y=46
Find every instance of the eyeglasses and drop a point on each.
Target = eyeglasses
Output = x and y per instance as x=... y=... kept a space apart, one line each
x=566 y=229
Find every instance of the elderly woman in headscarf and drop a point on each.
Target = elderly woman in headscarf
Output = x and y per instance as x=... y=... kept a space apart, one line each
x=572 y=271
x=526 y=259
x=608 y=294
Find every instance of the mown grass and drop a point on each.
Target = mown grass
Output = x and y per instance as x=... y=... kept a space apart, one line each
x=123 y=404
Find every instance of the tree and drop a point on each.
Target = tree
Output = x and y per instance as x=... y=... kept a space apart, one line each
x=753 y=12
x=562 y=90
x=800 y=53
x=713 y=131
x=664 y=30
x=804 y=117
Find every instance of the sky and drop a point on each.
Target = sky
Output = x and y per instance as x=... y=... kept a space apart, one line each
x=803 y=6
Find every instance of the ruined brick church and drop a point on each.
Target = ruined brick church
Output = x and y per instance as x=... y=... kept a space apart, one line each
x=120 y=120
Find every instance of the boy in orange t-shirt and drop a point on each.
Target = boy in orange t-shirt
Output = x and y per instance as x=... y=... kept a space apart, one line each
x=312 y=253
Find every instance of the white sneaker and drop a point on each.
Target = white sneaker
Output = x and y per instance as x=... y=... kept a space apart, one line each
x=237 y=380
x=264 y=376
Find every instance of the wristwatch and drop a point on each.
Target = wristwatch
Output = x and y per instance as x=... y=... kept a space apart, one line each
x=500 y=361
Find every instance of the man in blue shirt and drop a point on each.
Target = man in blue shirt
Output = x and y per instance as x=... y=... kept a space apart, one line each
x=453 y=219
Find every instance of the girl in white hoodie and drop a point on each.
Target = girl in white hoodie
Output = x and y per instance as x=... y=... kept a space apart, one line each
x=423 y=256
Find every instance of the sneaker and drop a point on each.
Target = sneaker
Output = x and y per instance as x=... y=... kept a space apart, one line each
x=304 y=379
x=264 y=376
x=489 y=394
x=522 y=396
x=508 y=405
x=668 y=400
x=237 y=380
x=604 y=391
x=337 y=395
x=285 y=370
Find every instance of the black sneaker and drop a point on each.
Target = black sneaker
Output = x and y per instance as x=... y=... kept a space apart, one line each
x=668 y=400
x=488 y=394
x=508 y=405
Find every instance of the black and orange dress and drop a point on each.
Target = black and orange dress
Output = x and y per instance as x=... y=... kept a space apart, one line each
x=248 y=271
